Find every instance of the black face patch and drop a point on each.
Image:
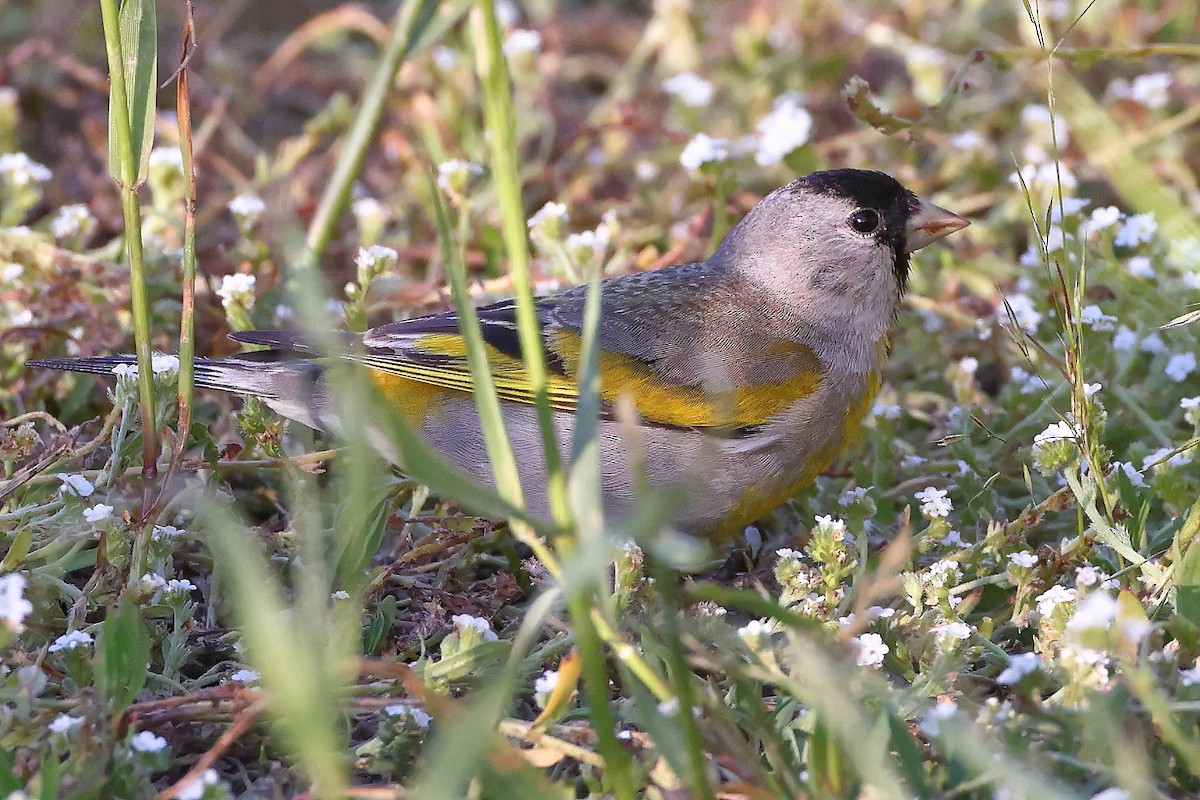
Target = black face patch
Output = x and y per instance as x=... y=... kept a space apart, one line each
x=874 y=190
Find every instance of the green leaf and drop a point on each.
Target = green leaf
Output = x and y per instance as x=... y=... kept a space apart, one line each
x=122 y=655
x=9 y=782
x=139 y=51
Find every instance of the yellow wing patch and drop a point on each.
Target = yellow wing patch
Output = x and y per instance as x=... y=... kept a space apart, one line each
x=688 y=406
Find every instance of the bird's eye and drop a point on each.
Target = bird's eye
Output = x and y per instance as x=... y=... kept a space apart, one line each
x=864 y=220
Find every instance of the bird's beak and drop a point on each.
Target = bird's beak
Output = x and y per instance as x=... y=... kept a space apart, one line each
x=931 y=223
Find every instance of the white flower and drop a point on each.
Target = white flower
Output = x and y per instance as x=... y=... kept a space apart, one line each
x=784 y=130
x=1029 y=383
x=18 y=169
x=340 y=594
x=1180 y=366
x=195 y=788
x=69 y=641
x=522 y=42
x=950 y=632
x=417 y=715
x=1102 y=218
x=147 y=742
x=952 y=539
x=245 y=676
x=166 y=533
x=943 y=710
x=1176 y=460
x=1056 y=432
x=247 y=206
x=454 y=176
x=1023 y=310
x=166 y=157
x=1097 y=319
x=1189 y=677
x=161 y=363
x=755 y=633
x=934 y=502
x=444 y=57
x=1137 y=478
x=1150 y=90
x=544 y=686
x=880 y=612
x=969 y=365
x=64 y=723
x=368 y=209
x=1069 y=207
x=1087 y=576
x=1090 y=389
x=1140 y=267
x=1018 y=667
x=850 y=496
x=835 y=527
x=236 y=289
x=180 y=586
x=1052 y=598
x=71 y=221
x=1138 y=229
x=152 y=581
x=1037 y=119
x=1097 y=611
x=1024 y=559
x=551 y=213
x=967 y=140
x=370 y=259
x=97 y=513
x=886 y=410
x=480 y=624
x=690 y=88
x=1153 y=344
x=1125 y=339
x=869 y=649
x=703 y=149
x=941 y=574
x=1113 y=793
x=76 y=485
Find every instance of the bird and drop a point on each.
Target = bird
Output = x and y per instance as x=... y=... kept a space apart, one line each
x=749 y=371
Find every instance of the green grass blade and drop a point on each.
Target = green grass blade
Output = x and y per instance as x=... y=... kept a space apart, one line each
x=137 y=37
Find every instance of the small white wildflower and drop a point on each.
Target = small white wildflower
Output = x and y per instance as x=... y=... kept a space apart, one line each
x=952 y=539
x=166 y=157
x=1069 y=207
x=147 y=742
x=1019 y=666
x=65 y=723
x=195 y=788
x=69 y=641
x=544 y=686
x=849 y=496
x=886 y=410
x=1023 y=310
x=368 y=209
x=236 y=289
x=340 y=594
x=1151 y=90
x=1055 y=432
x=403 y=711
x=1112 y=793
x=1176 y=460
x=703 y=149
x=942 y=574
x=1125 y=339
x=161 y=363
x=1053 y=597
x=153 y=581
x=912 y=461
x=1024 y=559
x=869 y=649
x=454 y=176
x=166 y=533
x=179 y=586
x=1136 y=477
x=551 y=214
x=1189 y=677
x=1140 y=267
x=942 y=711
x=934 y=502
x=1102 y=218
x=97 y=513
x=880 y=612
x=1097 y=611
x=1087 y=575
x=946 y=634
x=756 y=633
x=969 y=365
x=72 y=221
x=522 y=42
x=76 y=485
x=245 y=676
x=690 y=88
x=1038 y=120
x=480 y=624
x=373 y=260
x=1153 y=344
x=1180 y=366
x=836 y=527
x=1138 y=229
x=1097 y=319
x=1090 y=389
x=967 y=140
x=247 y=207
x=782 y=131
x=18 y=169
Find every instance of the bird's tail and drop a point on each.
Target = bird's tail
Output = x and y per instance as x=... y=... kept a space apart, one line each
x=250 y=374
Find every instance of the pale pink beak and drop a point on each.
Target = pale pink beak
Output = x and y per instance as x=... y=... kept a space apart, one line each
x=931 y=223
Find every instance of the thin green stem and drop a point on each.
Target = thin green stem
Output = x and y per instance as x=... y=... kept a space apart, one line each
x=127 y=184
